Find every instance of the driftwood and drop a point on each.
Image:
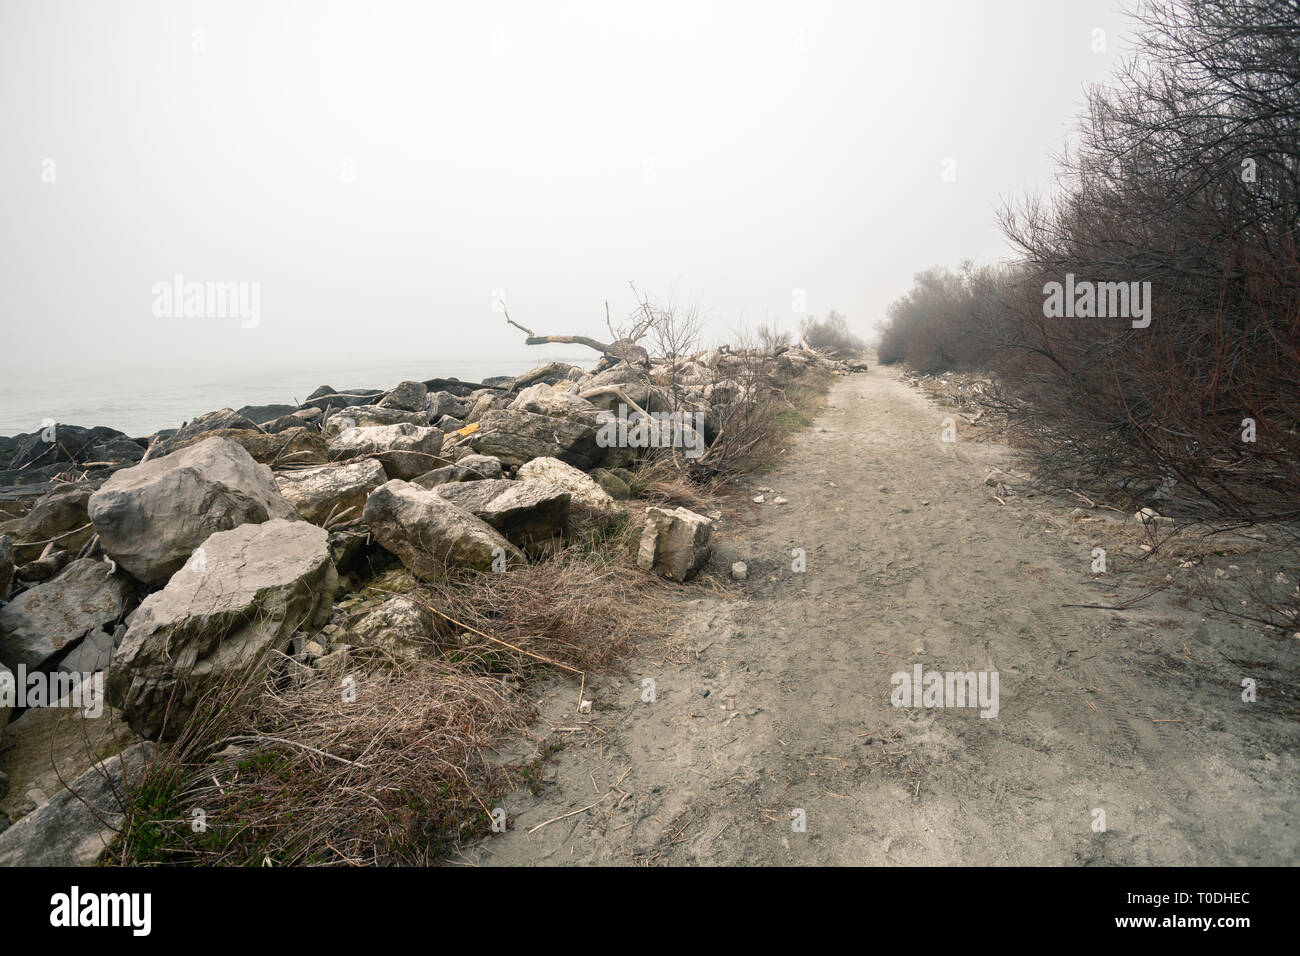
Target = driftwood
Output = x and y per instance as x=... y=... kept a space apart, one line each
x=622 y=349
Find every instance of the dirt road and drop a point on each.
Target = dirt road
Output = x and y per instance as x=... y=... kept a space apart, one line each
x=1121 y=737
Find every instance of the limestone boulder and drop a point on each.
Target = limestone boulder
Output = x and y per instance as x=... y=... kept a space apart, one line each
x=37 y=625
x=431 y=534
x=405 y=450
x=336 y=492
x=531 y=514
x=675 y=543
x=152 y=516
x=242 y=596
x=467 y=468
x=516 y=436
x=77 y=825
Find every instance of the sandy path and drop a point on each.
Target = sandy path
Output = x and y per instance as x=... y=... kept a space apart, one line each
x=910 y=559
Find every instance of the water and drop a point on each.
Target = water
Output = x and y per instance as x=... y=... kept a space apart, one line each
x=144 y=404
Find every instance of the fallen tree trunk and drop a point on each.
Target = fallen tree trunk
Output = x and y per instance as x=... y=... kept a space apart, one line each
x=623 y=350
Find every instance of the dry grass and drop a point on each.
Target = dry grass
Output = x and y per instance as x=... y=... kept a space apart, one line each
x=393 y=762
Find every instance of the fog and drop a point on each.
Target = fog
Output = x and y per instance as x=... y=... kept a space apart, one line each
x=378 y=170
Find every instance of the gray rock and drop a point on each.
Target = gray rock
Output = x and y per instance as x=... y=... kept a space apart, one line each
x=50 y=563
x=483 y=402
x=529 y=513
x=151 y=517
x=518 y=436
x=95 y=652
x=6 y=566
x=326 y=398
x=556 y=402
x=674 y=543
x=60 y=443
x=261 y=414
x=430 y=534
x=739 y=571
x=552 y=373
x=8 y=694
x=408 y=396
x=290 y=446
x=438 y=404
x=612 y=484
x=367 y=416
x=117 y=450
x=469 y=468
x=42 y=621
x=77 y=825
x=58 y=516
x=405 y=450
x=332 y=490
x=449 y=424
x=587 y=494
x=399 y=627
x=215 y=621
x=224 y=419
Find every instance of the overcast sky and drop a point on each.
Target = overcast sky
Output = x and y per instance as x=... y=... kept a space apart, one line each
x=379 y=169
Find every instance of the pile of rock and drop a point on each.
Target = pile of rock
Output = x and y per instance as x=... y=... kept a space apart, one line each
x=211 y=554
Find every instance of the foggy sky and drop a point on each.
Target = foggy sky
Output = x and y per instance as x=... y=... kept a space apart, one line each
x=729 y=154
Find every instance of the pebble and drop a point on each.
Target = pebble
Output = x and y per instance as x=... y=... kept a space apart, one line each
x=739 y=571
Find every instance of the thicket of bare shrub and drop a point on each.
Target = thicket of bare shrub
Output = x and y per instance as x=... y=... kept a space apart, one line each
x=1186 y=175
x=831 y=335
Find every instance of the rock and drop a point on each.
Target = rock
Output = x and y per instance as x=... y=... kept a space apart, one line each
x=76 y=826
x=261 y=414
x=529 y=513
x=484 y=402
x=213 y=622
x=399 y=627
x=405 y=450
x=326 y=398
x=408 y=396
x=6 y=566
x=118 y=450
x=587 y=494
x=339 y=491
x=439 y=404
x=366 y=416
x=43 y=620
x=517 y=437
x=51 y=562
x=223 y=420
x=739 y=571
x=558 y=403
x=58 y=516
x=95 y=652
x=469 y=468
x=449 y=424
x=285 y=423
x=552 y=373
x=57 y=444
x=8 y=688
x=612 y=484
x=292 y=446
x=1149 y=516
x=151 y=517
x=674 y=543
x=430 y=534
x=56 y=740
